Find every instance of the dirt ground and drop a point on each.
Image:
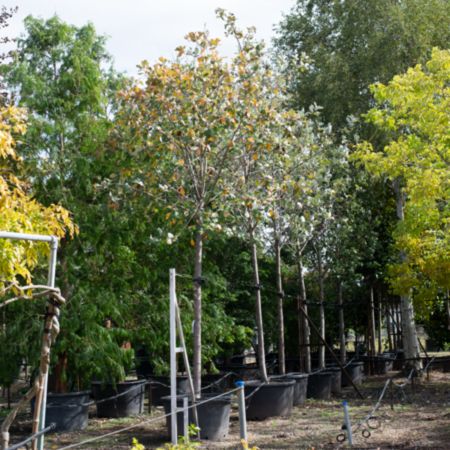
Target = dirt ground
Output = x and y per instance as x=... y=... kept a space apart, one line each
x=420 y=419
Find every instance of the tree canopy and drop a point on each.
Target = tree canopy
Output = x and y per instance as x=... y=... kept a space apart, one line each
x=335 y=49
x=414 y=109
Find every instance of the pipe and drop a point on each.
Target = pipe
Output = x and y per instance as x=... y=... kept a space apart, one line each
x=348 y=425
x=53 y=240
x=51 y=283
x=27 y=237
x=173 y=359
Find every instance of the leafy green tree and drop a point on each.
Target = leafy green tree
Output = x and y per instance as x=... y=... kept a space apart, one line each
x=413 y=109
x=57 y=74
x=335 y=49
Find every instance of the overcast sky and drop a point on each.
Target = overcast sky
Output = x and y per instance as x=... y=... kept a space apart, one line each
x=147 y=29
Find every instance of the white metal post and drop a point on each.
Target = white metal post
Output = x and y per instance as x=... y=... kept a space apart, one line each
x=173 y=358
x=186 y=418
x=51 y=283
x=242 y=413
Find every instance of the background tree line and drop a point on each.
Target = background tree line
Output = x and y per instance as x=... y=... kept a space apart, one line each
x=285 y=184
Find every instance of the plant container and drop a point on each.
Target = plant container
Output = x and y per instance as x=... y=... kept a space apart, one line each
x=319 y=385
x=129 y=403
x=159 y=387
x=356 y=371
x=379 y=365
x=336 y=379
x=300 y=386
x=69 y=412
x=213 y=416
x=272 y=399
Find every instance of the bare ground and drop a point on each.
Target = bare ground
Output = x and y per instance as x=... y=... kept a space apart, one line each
x=420 y=419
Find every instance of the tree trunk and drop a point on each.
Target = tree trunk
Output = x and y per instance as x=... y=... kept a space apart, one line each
x=58 y=381
x=198 y=309
x=258 y=307
x=342 y=349
x=321 y=311
x=280 y=294
x=389 y=327
x=303 y=325
x=380 y=325
x=409 y=332
x=372 y=329
x=447 y=305
x=399 y=327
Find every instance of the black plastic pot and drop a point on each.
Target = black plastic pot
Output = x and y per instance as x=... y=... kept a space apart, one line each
x=380 y=364
x=356 y=371
x=300 y=387
x=336 y=379
x=69 y=412
x=159 y=386
x=129 y=403
x=269 y=400
x=213 y=416
x=319 y=385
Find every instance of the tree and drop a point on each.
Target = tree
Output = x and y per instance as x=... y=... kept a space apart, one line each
x=57 y=74
x=188 y=119
x=414 y=109
x=336 y=49
x=19 y=211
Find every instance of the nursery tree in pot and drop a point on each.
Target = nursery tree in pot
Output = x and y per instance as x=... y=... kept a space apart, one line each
x=57 y=74
x=188 y=119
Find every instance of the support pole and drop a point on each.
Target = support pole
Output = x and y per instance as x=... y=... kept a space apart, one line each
x=380 y=325
x=348 y=424
x=186 y=362
x=372 y=329
x=242 y=414
x=53 y=241
x=186 y=419
x=173 y=358
x=51 y=283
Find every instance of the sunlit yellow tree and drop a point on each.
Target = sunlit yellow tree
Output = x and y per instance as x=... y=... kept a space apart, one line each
x=414 y=110
x=19 y=212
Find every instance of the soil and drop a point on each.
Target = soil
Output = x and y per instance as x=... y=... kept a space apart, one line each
x=420 y=418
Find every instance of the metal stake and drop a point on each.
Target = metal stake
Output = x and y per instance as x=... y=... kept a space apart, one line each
x=348 y=425
x=51 y=283
x=53 y=240
x=173 y=359
x=242 y=414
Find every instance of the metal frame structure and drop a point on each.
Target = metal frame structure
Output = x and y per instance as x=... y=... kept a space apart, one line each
x=175 y=325
x=53 y=241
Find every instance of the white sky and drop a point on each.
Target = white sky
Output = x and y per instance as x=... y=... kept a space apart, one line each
x=148 y=29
